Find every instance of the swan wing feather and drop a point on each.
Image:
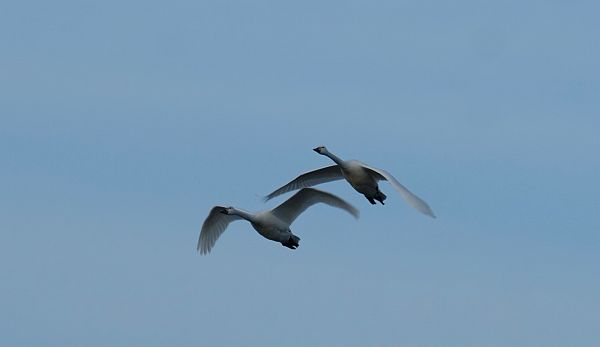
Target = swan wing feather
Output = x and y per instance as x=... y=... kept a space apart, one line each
x=410 y=198
x=289 y=210
x=214 y=225
x=308 y=179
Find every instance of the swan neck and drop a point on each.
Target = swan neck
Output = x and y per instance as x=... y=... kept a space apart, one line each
x=334 y=157
x=246 y=215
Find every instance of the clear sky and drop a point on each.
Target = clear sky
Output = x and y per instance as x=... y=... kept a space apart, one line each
x=123 y=122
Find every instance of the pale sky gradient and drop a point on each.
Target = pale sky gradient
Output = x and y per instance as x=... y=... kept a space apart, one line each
x=123 y=122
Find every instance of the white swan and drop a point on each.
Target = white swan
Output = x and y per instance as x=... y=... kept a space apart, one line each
x=272 y=224
x=361 y=177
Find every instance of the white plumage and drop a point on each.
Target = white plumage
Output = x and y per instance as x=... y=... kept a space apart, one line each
x=361 y=177
x=272 y=224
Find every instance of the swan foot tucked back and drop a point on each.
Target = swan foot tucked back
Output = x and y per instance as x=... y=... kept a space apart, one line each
x=272 y=224
x=361 y=177
x=292 y=242
x=379 y=196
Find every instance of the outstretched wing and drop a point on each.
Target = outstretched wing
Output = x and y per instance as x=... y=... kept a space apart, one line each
x=214 y=225
x=289 y=210
x=308 y=179
x=411 y=198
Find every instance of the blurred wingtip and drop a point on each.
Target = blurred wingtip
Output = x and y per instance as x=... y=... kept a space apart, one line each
x=266 y=198
x=263 y=198
x=430 y=213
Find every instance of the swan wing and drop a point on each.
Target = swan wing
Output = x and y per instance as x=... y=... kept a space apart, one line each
x=308 y=179
x=410 y=198
x=289 y=210
x=214 y=225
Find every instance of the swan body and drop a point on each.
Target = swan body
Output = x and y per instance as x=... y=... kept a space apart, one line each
x=362 y=178
x=359 y=178
x=271 y=224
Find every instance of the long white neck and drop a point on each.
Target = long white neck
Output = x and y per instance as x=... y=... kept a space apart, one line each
x=333 y=157
x=246 y=215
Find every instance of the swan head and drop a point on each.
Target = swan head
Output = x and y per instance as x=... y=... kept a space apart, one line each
x=320 y=149
x=227 y=210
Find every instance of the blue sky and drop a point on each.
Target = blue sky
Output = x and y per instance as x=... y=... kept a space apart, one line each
x=123 y=123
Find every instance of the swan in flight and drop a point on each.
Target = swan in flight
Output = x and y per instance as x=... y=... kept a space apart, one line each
x=272 y=224
x=361 y=177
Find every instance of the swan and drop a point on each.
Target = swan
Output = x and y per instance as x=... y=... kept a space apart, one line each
x=272 y=224
x=361 y=177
